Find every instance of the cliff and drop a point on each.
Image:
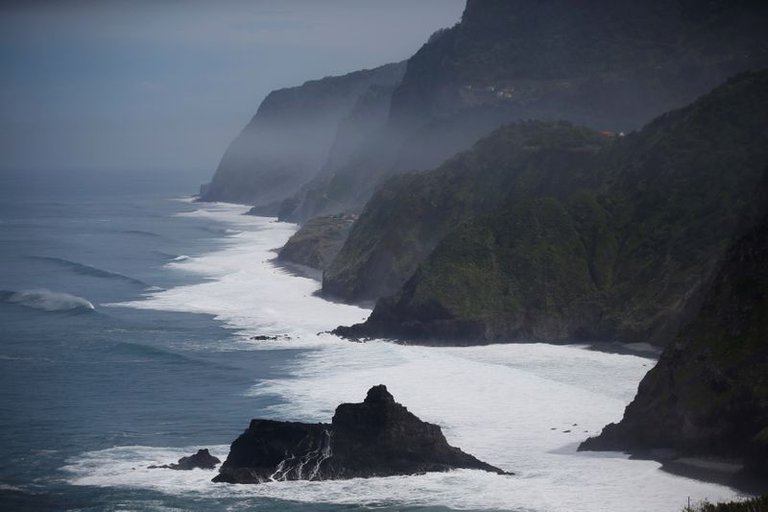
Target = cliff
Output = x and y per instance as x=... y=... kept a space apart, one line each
x=609 y=65
x=290 y=137
x=708 y=393
x=317 y=242
x=552 y=232
x=411 y=213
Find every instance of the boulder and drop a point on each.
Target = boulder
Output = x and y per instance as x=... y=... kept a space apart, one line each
x=202 y=459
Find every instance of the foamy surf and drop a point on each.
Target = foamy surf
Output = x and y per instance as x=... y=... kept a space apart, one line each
x=522 y=407
x=244 y=290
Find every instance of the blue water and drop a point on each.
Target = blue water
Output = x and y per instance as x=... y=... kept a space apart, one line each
x=75 y=379
x=92 y=391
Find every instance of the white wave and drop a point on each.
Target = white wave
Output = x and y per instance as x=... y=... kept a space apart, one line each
x=47 y=300
x=245 y=291
x=184 y=199
x=181 y=257
x=12 y=488
x=522 y=407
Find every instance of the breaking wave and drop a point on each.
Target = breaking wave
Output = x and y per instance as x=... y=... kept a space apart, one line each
x=88 y=270
x=140 y=232
x=46 y=300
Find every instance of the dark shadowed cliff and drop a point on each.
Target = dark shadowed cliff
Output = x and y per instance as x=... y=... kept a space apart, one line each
x=553 y=232
x=607 y=64
x=708 y=394
x=291 y=136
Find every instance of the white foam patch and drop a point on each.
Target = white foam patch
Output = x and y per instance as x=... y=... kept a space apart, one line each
x=245 y=291
x=510 y=405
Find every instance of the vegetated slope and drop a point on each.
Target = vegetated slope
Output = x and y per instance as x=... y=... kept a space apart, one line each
x=291 y=136
x=593 y=242
x=410 y=213
x=607 y=64
x=708 y=394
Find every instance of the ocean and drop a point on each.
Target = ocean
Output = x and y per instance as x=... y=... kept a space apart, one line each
x=126 y=312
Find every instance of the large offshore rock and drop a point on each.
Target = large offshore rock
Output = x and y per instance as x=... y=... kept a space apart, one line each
x=378 y=437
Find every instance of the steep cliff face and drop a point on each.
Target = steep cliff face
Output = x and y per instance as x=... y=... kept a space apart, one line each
x=358 y=131
x=291 y=136
x=316 y=243
x=611 y=240
x=610 y=65
x=708 y=394
x=411 y=213
x=607 y=64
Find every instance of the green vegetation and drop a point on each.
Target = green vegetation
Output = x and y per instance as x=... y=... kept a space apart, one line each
x=410 y=213
x=555 y=232
x=708 y=394
x=759 y=504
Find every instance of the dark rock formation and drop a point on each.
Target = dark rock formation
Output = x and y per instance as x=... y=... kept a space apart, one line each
x=289 y=138
x=553 y=232
x=377 y=437
x=202 y=459
x=318 y=241
x=267 y=337
x=708 y=394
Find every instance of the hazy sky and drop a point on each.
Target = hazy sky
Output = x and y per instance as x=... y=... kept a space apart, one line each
x=120 y=85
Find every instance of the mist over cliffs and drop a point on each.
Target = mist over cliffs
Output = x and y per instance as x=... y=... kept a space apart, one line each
x=607 y=65
x=292 y=135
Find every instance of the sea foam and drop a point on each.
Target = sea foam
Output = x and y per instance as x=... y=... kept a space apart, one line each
x=522 y=407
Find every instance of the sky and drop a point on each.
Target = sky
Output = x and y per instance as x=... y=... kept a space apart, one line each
x=125 y=84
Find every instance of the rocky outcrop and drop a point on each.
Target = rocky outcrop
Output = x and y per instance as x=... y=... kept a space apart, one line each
x=708 y=393
x=377 y=437
x=553 y=232
x=289 y=139
x=317 y=242
x=202 y=460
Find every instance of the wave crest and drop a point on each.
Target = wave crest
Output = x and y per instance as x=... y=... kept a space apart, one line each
x=46 y=300
x=88 y=270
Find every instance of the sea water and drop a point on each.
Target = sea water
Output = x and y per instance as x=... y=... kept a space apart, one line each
x=127 y=312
